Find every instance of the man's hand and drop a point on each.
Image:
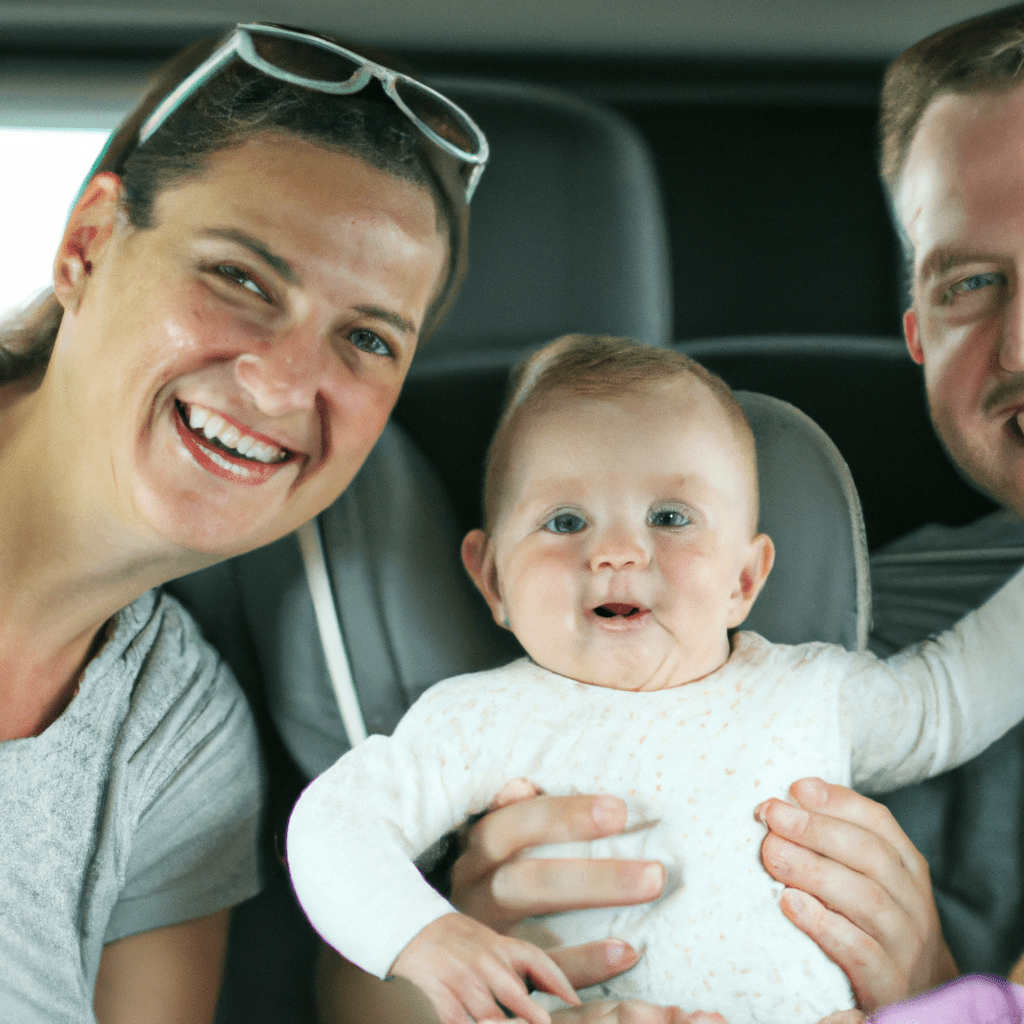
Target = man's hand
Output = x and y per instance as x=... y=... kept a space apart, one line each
x=466 y=970
x=492 y=884
x=859 y=888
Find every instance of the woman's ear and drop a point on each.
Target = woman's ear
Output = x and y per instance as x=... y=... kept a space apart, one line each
x=753 y=574
x=88 y=230
x=478 y=558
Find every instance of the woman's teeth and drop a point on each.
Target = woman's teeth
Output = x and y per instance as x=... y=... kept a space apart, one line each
x=216 y=428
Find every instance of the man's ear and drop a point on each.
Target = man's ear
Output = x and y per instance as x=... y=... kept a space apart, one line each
x=913 y=338
x=88 y=230
x=478 y=558
x=753 y=573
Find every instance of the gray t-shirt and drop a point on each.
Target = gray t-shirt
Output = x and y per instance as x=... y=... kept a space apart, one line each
x=137 y=808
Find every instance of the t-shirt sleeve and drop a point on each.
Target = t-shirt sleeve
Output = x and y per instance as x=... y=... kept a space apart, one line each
x=194 y=848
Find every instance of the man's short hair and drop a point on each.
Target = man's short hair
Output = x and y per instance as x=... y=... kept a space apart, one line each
x=984 y=54
x=601 y=367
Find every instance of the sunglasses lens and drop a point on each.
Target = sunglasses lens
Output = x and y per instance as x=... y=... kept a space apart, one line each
x=304 y=59
x=440 y=116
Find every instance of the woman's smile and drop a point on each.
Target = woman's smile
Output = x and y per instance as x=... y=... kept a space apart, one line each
x=227 y=448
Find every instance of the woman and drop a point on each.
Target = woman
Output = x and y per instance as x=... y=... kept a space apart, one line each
x=237 y=297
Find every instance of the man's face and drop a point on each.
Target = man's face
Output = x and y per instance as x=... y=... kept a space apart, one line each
x=961 y=201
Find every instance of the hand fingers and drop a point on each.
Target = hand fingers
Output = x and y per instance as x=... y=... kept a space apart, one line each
x=628 y=1013
x=595 y=962
x=866 y=902
x=844 y=1017
x=547 y=819
x=840 y=802
x=533 y=886
x=512 y=792
x=869 y=846
x=872 y=972
x=530 y=962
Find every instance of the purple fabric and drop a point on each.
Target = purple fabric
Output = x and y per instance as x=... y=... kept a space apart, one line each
x=973 y=999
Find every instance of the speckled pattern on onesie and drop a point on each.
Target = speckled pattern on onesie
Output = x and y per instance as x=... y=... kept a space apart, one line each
x=691 y=762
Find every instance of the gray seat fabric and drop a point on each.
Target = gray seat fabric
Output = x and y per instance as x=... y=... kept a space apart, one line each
x=818 y=589
x=568 y=231
x=867 y=394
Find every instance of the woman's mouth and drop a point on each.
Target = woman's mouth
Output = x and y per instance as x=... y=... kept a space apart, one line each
x=613 y=610
x=226 y=448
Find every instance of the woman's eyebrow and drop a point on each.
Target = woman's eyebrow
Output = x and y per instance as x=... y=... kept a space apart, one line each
x=255 y=246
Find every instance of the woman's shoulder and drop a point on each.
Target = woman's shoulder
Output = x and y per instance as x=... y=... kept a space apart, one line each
x=183 y=694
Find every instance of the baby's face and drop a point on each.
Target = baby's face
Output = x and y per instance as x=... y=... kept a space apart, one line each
x=624 y=550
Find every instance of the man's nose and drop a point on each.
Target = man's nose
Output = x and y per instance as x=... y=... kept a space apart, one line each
x=283 y=375
x=1011 y=344
x=619 y=547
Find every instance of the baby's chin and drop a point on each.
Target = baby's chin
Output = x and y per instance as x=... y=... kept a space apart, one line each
x=667 y=673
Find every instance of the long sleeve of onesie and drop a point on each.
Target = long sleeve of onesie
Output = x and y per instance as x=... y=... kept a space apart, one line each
x=691 y=762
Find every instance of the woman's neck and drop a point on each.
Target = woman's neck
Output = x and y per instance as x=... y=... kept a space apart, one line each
x=66 y=566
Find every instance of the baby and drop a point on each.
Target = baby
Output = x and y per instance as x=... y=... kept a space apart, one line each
x=621 y=548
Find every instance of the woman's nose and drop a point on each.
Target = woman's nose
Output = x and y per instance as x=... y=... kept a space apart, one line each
x=619 y=547
x=283 y=375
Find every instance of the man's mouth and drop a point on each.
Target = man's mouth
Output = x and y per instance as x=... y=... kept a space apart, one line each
x=225 y=447
x=614 y=609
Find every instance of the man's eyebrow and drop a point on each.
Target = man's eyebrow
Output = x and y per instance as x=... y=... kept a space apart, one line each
x=389 y=317
x=255 y=246
x=944 y=258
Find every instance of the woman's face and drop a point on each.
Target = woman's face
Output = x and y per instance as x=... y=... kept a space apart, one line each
x=228 y=370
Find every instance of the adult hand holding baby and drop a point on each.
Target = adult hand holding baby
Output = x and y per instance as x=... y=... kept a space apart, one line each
x=859 y=888
x=493 y=884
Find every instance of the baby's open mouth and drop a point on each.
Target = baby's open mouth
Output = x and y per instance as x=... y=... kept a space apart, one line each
x=613 y=610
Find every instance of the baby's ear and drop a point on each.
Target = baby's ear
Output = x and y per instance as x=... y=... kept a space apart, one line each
x=753 y=573
x=478 y=558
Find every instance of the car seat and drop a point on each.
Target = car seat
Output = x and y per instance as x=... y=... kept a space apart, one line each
x=405 y=616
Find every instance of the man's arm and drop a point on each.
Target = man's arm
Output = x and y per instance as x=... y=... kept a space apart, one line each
x=169 y=975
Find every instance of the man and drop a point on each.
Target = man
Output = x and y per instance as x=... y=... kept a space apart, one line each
x=952 y=132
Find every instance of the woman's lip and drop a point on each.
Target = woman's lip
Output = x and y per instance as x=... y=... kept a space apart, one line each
x=220 y=463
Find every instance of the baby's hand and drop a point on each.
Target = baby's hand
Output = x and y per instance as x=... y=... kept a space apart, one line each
x=465 y=969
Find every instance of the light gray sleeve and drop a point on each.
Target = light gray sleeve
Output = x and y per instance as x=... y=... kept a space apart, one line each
x=194 y=848
x=938 y=704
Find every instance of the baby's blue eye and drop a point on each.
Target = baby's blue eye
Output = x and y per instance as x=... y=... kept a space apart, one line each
x=565 y=522
x=667 y=517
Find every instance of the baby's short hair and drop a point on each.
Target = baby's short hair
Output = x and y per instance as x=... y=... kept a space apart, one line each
x=600 y=366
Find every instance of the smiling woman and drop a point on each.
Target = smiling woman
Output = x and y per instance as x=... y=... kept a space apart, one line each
x=237 y=295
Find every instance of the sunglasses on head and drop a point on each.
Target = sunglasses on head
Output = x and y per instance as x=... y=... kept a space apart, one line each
x=315 y=63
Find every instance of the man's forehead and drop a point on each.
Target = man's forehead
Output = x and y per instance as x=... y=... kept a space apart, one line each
x=962 y=185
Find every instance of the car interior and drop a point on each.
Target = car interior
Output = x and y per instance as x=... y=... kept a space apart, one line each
x=695 y=176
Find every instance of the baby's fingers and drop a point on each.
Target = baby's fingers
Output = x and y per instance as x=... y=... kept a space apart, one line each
x=531 y=962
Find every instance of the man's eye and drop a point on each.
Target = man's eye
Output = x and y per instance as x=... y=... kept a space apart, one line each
x=367 y=341
x=974 y=283
x=241 y=278
x=667 y=517
x=565 y=522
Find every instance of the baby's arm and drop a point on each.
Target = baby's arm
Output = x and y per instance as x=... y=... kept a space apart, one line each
x=939 y=703
x=466 y=970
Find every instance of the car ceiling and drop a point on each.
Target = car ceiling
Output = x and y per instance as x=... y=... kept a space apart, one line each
x=860 y=29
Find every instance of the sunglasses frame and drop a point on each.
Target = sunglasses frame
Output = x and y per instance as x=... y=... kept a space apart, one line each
x=240 y=44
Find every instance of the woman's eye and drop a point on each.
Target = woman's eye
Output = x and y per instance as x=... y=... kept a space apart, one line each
x=974 y=283
x=242 y=279
x=667 y=517
x=565 y=522
x=367 y=341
